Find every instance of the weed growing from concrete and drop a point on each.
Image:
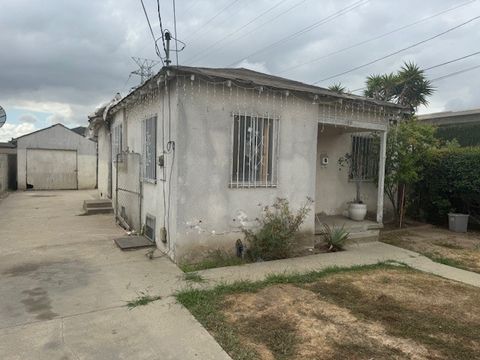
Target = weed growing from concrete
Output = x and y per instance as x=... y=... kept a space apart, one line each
x=144 y=298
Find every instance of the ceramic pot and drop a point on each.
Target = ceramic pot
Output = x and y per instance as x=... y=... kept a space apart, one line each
x=357 y=211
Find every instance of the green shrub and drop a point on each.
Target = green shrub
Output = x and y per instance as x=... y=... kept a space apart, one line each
x=450 y=183
x=335 y=237
x=276 y=235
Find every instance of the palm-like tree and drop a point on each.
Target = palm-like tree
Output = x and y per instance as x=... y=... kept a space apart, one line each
x=408 y=87
x=338 y=88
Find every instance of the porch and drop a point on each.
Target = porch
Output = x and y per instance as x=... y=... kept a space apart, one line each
x=360 y=231
x=336 y=184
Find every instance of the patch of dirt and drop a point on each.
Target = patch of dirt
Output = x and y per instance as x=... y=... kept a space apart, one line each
x=379 y=314
x=455 y=249
x=320 y=326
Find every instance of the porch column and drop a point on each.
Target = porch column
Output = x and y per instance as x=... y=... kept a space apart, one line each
x=381 y=175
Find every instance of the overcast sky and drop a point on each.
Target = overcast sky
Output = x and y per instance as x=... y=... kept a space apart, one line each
x=61 y=59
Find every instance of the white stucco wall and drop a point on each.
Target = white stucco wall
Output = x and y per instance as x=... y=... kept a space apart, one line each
x=58 y=137
x=104 y=162
x=155 y=195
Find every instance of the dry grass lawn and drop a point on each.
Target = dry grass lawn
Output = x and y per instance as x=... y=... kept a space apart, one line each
x=441 y=245
x=376 y=312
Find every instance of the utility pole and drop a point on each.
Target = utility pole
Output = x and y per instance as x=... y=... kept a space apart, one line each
x=145 y=70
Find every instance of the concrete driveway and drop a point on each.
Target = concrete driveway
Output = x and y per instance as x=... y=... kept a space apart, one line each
x=64 y=286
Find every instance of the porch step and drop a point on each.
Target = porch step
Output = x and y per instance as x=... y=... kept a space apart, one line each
x=364 y=236
x=101 y=206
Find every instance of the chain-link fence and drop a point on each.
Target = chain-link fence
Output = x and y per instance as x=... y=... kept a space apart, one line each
x=128 y=190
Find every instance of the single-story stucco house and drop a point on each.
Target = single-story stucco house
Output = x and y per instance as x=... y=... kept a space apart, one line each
x=56 y=158
x=193 y=154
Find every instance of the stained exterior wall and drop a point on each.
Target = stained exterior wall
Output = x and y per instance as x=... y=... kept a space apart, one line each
x=203 y=213
x=155 y=195
x=58 y=137
x=104 y=162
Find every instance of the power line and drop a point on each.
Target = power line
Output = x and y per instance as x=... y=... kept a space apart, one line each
x=230 y=4
x=432 y=67
x=325 y=20
x=161 y=26
x=456 y=73
x=398 y=51
x=276 y=17
x=204 y=52
x=157 y=50
x=175 y=29
x=376 y=37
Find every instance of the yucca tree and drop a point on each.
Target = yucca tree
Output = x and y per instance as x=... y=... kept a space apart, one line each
x=408 y=87
x=338 y=88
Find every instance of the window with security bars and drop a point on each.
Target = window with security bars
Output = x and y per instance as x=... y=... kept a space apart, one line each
x=117 y=138
x=150 y=148
x=364 y=158
x=255 y=147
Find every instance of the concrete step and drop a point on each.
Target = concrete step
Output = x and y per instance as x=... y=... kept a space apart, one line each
x=101 y=203
x=364 y=236
x=99 y=210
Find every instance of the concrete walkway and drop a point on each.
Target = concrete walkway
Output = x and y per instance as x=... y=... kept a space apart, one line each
x=64 y=286
x=361 y=254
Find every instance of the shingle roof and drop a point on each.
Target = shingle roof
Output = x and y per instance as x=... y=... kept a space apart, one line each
x=255 y=78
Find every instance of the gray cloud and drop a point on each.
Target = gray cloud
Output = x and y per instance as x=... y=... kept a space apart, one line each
x=78 y=53
x=28 y=118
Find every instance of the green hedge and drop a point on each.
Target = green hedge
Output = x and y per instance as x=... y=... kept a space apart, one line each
x=450 y=183
x=465 y=134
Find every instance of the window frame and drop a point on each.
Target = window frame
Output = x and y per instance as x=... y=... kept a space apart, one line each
x=236 y=169
x=117 y=143
x=146 y=170
x=370 y=153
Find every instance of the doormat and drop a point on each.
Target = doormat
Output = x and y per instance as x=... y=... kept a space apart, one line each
x=133 y=242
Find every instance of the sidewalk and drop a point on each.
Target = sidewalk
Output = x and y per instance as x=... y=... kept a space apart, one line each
x=361 y=254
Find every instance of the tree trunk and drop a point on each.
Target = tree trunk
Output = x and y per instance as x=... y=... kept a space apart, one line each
x=402 y=205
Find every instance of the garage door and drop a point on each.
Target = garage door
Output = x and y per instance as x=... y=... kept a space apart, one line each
x=51 y=169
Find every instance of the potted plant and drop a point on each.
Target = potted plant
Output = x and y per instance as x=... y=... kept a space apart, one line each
x=357 y=210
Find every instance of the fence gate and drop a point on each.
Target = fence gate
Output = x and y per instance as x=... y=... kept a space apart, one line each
x=128 y=189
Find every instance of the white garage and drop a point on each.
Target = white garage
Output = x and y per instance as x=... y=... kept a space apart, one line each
x=52 y=169
x=56 y=158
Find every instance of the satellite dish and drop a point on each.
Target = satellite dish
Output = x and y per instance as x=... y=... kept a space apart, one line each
x=3 y=116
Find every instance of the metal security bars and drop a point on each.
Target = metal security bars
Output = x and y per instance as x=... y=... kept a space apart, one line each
x=150 y=149
x=364 y=158
x=255 y=149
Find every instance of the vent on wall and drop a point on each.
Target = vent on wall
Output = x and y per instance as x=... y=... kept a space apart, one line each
x=150 y=227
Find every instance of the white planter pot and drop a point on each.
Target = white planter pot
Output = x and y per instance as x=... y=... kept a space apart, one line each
x=357 y=212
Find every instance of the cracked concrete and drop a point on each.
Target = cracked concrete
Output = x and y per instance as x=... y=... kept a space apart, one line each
x=64 y=287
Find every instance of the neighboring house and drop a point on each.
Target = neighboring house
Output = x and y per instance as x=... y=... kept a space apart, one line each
x=56 y=158
x=464 y=126
x=8 y=166
x=194 y=154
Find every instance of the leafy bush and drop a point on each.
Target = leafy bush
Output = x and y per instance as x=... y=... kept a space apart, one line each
x=450 y=183
x=278 y=227
x=335 y=237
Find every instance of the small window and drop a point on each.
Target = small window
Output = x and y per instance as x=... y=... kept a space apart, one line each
x=150 y=149
x=364 y=158
x=255 y=147
x=117 y=138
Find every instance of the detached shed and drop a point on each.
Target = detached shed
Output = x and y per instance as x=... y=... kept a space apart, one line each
x=56 y=158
